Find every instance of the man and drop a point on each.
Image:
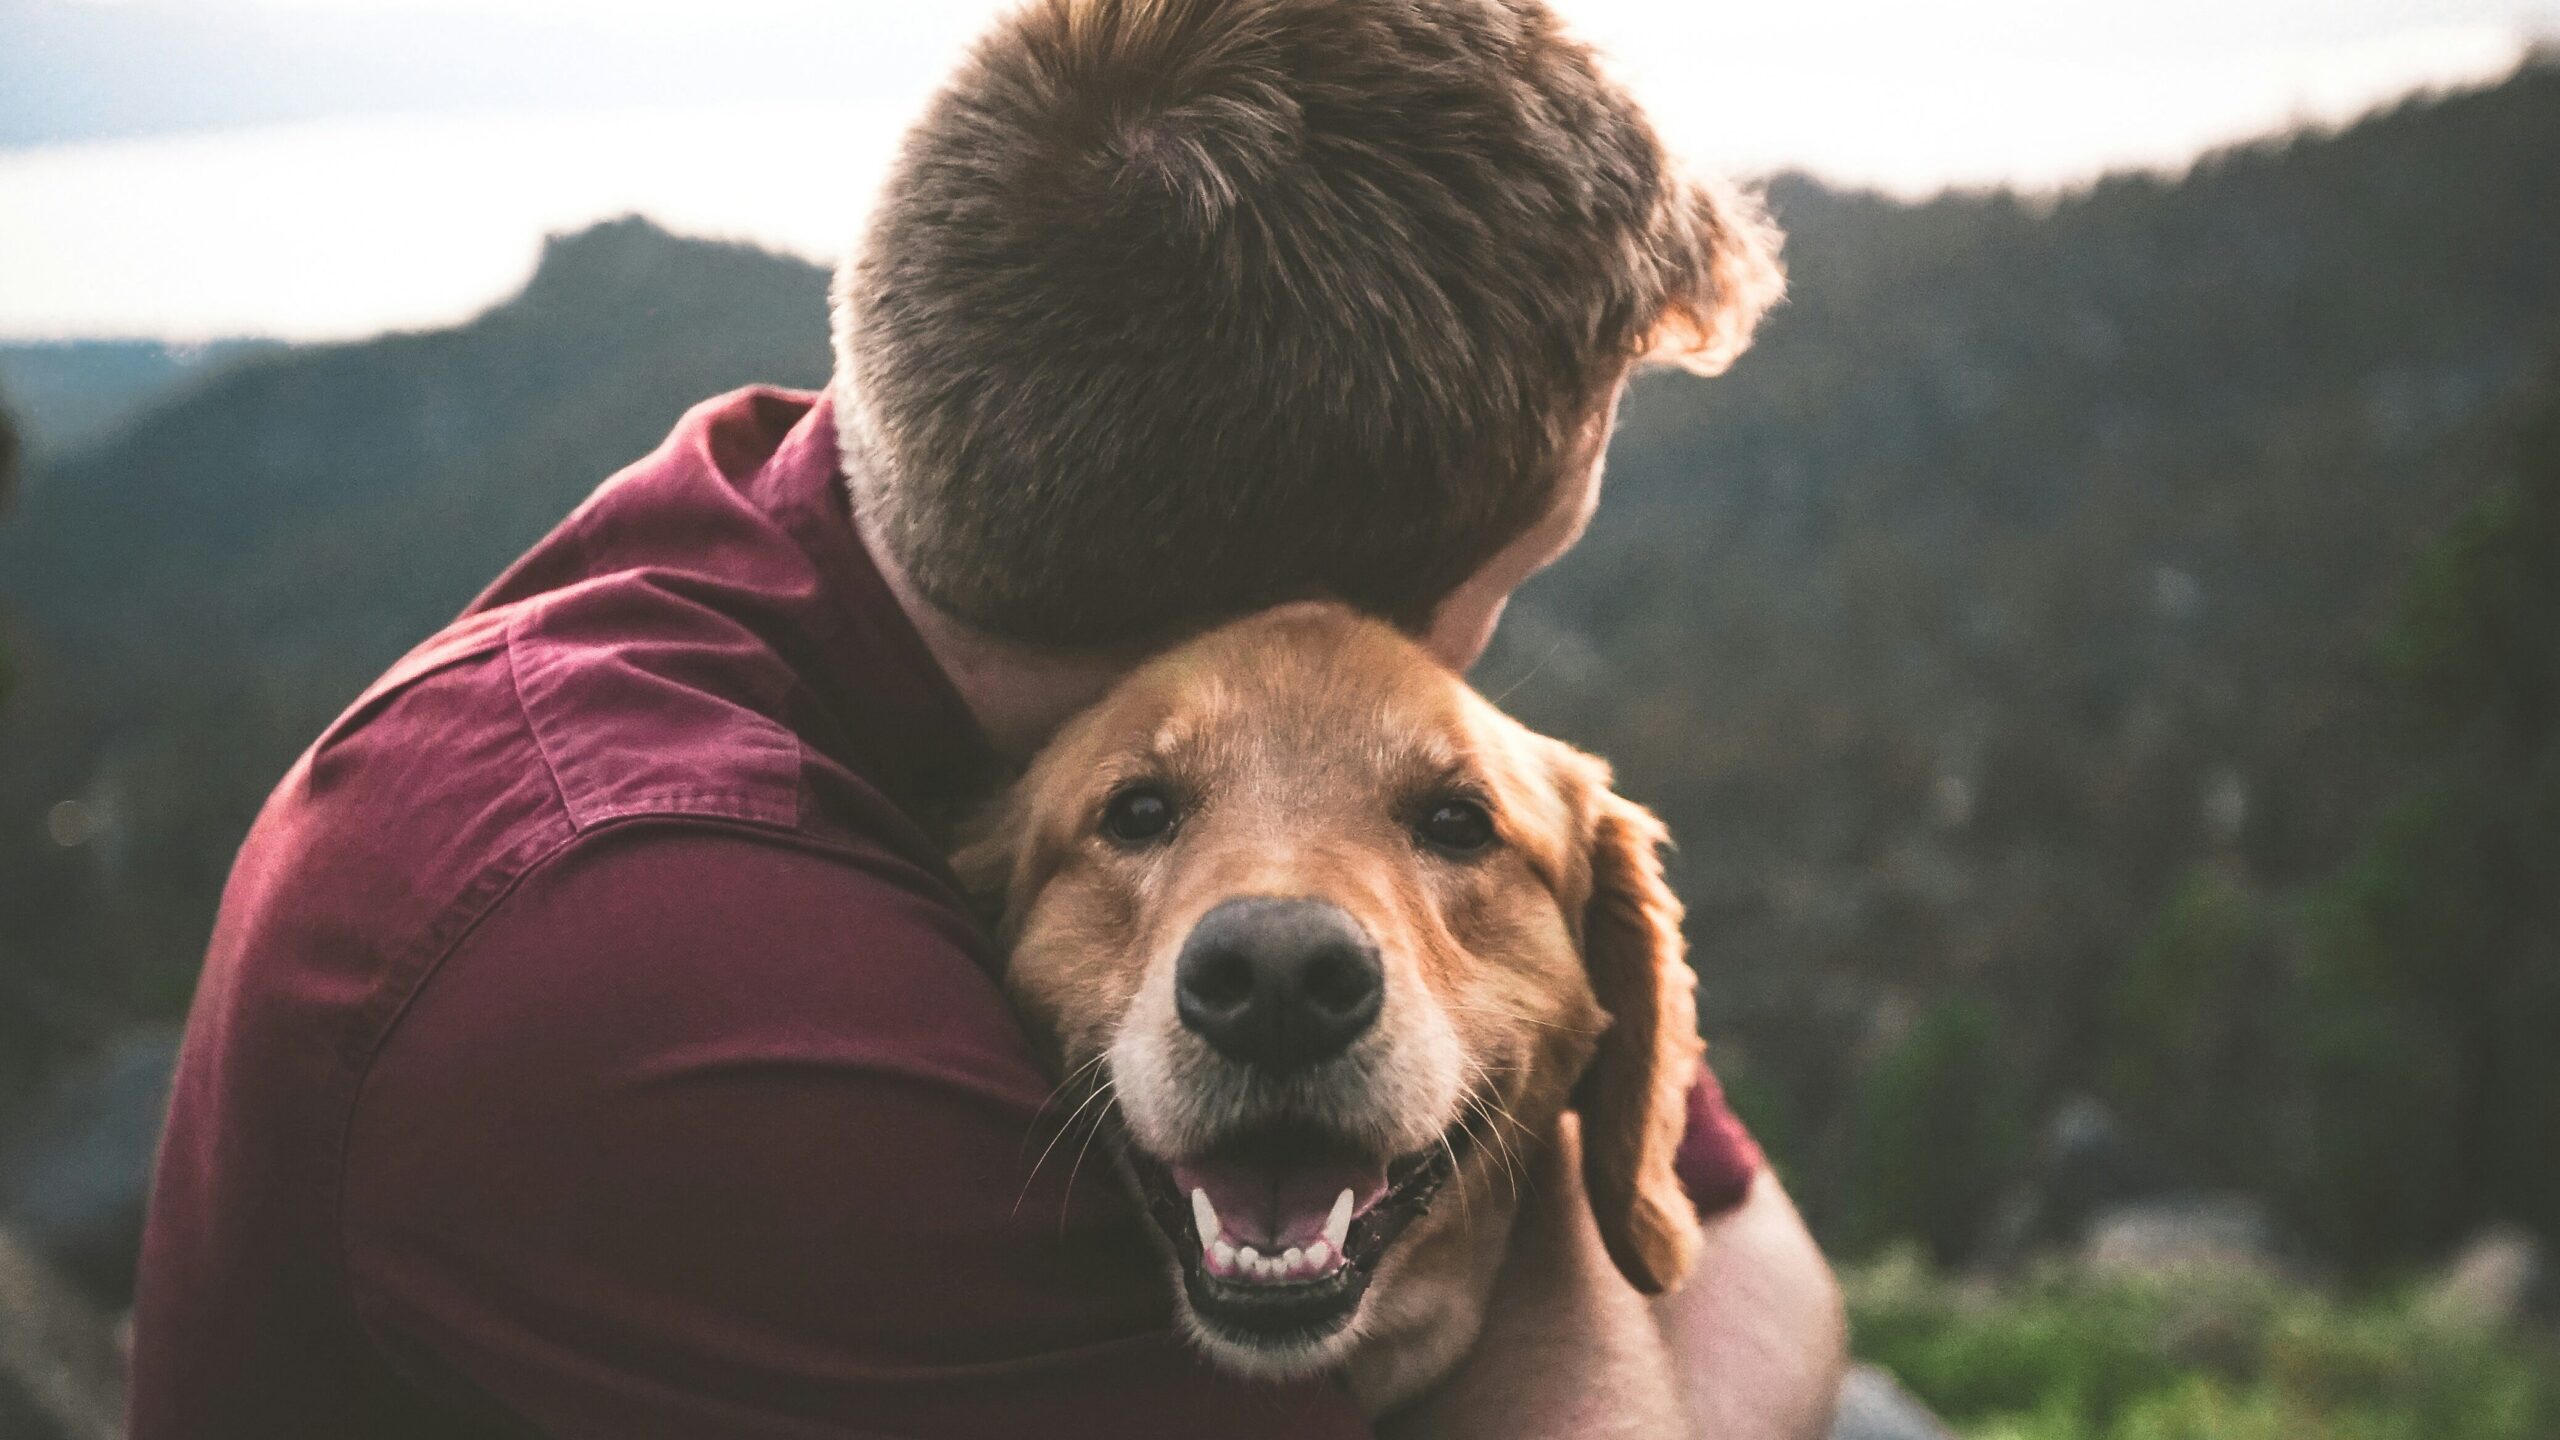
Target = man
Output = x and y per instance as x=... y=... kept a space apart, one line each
x=592 y=1042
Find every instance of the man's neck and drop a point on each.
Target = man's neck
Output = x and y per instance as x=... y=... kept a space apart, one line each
x=1019 y=694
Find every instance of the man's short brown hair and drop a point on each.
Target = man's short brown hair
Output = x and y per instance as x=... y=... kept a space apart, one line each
x=1172 y=309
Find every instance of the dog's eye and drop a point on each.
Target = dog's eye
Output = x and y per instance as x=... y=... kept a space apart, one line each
x=1457 y=824
x=1139 y=815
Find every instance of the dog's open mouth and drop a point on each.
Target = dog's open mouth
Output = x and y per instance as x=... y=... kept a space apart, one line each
x=1280 y=1229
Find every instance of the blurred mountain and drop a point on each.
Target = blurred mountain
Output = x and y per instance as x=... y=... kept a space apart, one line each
x=71 y=393
x=395 y=476
x=10 y=448
x=2033 y=565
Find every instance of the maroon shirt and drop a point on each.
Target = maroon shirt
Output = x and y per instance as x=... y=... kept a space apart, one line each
x=592 y=1044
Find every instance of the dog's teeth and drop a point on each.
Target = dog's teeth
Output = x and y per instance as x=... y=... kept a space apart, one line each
x=1222 y=1255
x=1249 y=1260
x=1292 y=1258
x=1205 y=1215
x=1337 y=1226
x=1318 y=1254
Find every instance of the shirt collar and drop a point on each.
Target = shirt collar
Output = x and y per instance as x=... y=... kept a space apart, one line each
x=875 y=675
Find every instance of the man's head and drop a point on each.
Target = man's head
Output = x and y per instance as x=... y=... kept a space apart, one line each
x=1175 y=309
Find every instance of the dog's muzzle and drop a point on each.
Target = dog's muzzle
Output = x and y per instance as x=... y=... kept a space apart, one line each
x=1280 y=1222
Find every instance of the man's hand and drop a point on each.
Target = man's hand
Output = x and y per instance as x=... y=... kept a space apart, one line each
x=1750 y=1348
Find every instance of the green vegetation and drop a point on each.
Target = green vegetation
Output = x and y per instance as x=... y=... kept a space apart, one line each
x=2373 y=1046
x=2229 y=1357
x=2432 y=957
x=1937 y=1110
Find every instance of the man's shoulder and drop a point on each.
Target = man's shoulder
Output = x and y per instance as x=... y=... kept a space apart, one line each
x=642 y=701
x=521 y=728
x=644 y=658
x=509 y=742
x=699 y=644
x=721 y=930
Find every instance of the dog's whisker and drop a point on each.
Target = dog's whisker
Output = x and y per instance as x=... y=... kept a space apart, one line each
x=1500 y=1150
x=1503 y=1114
x=1514 y=687
x=1484 y=1093
x=1064 y=1129
x=1059 y=1092
x=1466 y=1207
x=1482 y=1102
x=1074 y=1078
x=1500 y=1013
x=1066 y=1196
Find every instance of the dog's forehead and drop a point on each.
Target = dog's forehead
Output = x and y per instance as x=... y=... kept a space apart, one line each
x=1296 y=687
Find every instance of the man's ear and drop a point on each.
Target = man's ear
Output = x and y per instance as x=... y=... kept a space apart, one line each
x=1635 y=1097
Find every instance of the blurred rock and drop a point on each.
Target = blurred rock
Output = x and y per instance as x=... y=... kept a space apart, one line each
x=2183 y=1233
x=60 y=1366
x=19 y=1417
x=1873 y=1406
x=74 y=1176
x=2498 y=1280
x=2086 y=1166
x=2102 y=1197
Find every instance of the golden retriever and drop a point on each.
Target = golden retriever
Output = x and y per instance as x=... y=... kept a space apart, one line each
x=1335 y=943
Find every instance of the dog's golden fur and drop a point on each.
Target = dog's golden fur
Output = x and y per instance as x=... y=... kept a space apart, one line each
x=1544 y=972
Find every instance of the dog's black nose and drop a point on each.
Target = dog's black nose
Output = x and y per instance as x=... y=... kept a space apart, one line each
x=1278 y=983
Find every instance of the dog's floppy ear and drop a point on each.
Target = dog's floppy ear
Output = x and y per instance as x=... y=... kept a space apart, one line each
x=1635 y=1097
x=987 y=858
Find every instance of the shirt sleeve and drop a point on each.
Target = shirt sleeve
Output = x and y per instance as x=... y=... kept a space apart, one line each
x=704 y=1133
x=1718 y=1158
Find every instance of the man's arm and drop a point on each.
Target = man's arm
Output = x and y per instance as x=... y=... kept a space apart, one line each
x=721 y=1136
x=1757 y=1333
x=1750 y=1348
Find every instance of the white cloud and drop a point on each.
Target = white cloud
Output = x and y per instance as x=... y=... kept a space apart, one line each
x=346 y=226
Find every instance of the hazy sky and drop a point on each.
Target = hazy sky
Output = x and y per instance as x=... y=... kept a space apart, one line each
x=321 y=168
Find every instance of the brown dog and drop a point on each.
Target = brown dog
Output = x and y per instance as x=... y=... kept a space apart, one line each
x=1340 y=943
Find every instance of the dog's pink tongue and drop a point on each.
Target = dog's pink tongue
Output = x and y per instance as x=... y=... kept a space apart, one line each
x=1277 y=1202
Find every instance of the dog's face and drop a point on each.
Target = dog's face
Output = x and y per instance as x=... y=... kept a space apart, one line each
x=1337 y=938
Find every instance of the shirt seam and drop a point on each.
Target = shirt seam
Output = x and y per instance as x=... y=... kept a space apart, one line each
x=584 y=813
x=533 y=732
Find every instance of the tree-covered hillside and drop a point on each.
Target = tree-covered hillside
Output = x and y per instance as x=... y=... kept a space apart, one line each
x=2036 y=561
x=2036 y=564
